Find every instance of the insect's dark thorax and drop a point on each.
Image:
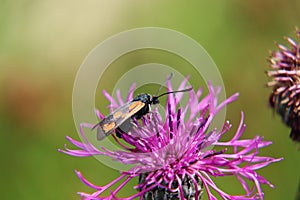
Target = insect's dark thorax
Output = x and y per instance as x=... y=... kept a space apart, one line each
x=147 y=100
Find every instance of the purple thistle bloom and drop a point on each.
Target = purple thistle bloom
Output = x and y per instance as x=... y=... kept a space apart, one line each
x=174 y=156
x=285 y=74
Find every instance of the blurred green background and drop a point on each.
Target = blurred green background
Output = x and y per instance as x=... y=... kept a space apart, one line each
x=43 y=43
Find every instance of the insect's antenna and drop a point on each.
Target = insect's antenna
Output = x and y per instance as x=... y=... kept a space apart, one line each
x=169 y=78
x=185 y=90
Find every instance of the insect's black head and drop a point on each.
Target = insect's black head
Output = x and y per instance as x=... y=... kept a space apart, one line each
x=145 y=98
x=155 y=100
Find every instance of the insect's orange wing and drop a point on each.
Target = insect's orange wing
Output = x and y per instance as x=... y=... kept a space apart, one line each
x=117 y=118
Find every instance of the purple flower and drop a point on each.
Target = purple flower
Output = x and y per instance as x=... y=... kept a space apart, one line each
x=285 y=74
x=174 y=159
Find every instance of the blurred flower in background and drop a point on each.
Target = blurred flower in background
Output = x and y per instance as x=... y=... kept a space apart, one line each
x=28 y=100
x=285 y=74
x=174 y=159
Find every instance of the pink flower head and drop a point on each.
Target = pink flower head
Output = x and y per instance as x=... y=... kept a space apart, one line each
x=174 y=159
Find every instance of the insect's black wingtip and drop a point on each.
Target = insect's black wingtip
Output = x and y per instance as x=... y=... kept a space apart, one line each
x=100 y=134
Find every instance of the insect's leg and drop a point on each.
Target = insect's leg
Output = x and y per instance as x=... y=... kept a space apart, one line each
x=153 y=121
x=119 y=132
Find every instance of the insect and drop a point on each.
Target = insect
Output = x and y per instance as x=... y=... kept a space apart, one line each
x=136 y=108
